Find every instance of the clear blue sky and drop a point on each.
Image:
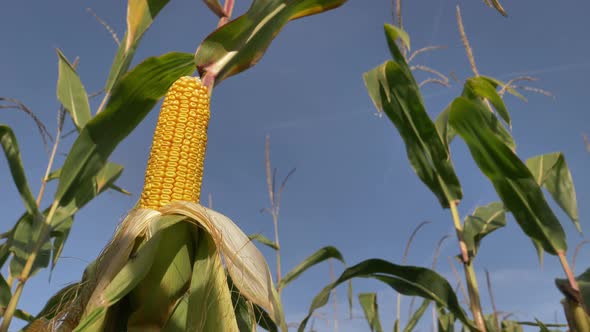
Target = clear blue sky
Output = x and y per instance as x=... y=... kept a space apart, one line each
x=353 y=187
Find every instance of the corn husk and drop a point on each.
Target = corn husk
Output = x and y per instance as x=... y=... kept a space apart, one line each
x=181 y=250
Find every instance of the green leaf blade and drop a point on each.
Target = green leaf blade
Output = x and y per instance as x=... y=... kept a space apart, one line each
x=60 y=234
x=264 y=240
x=314 y=259
x=140 y=16
x=483 y=87
x=370 y=307
x=396 y=93
x=512 y=180
x=71 y=93
x=241 y=43
x=393 y=32
x=551 y=171
x=482 y=222
x=416 y=316
x=15 y=164
x=407 y=280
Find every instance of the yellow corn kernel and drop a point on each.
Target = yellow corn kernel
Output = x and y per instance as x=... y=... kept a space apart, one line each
x=176 y=162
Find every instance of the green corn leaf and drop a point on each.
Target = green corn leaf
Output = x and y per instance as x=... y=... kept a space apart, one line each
x=445 y=321
x=314 y=259
x=551 y=171
x=482 y=87
x=84 y=193
x=90 y=188
x=396 y=93
x=407 y=280
x=371 y=309
x=120 y=65
x=71 y=93
x=539 y=250
x=5 y=248
x=119 y=189
x=264 y=240
x=512 y=180
x=134 y=97
x=140 y=15
x=25 y=235
x=107 y=175
x=482 y=222
x=416 y=316
x=60 y=234
x=241 y=43
x=15 y=164
x=62 y=220
x=23 y=315
x=446 y=132
x=5 y=292
x=393 y=32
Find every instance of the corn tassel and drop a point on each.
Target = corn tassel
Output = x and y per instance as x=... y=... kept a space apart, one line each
x=176 y=162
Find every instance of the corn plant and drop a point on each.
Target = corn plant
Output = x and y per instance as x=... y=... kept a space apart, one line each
x=480 y=118
x=173 y=265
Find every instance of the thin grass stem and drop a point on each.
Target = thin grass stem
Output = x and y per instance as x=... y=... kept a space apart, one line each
x=60 y=122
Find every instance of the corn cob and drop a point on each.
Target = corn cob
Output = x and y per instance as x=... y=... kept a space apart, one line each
x=176 y=162
x=162 y=273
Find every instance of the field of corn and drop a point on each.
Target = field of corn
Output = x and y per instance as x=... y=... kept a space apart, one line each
x=303 y=165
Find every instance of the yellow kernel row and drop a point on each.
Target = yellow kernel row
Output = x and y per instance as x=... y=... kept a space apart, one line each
x=176 y=162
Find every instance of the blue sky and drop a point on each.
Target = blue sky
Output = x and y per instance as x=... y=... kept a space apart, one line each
x=353 y=188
